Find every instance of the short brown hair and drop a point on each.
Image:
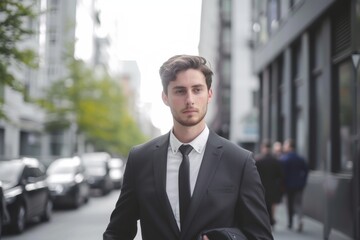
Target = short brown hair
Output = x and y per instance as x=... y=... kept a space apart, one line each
x=169 y=70
x=291 y=143
x=266 y=144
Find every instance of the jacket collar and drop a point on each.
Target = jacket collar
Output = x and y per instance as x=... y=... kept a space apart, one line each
x=160 y=161
x=210 y=162
x=211 y=159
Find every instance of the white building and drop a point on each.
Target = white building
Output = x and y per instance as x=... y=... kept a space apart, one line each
x=224 y=41
x=66 y=28
x=22 y=133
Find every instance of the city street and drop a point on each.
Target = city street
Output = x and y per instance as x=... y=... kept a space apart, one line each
x=89 y=81
x=313 y=230
x=89 y=222
x=86 y=223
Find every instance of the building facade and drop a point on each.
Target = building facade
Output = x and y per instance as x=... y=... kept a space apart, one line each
x=224 y=41
x=64 y=29
x=306 y=58
x=21 y=133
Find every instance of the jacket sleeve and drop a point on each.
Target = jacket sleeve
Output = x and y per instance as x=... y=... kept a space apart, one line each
x=123 y=220
x=253 y=217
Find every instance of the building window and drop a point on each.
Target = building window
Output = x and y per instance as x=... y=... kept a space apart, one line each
x=273 y=15
x=316 y=93
x=226 y=73
x=346 y=125
x=54 y=4
x=260 y=30
x=51 y=70
x=30 y=143
x=226 y=41
x=296 y=87
x=284 y=9
x=52 y=36
x=265 y=104
x=2 y=91
x=56 y=143
x=294 y=4
x=255 y=99
x=225 y=6
x=297 y=63
x=300 y=131
x=2 y=142
x=276 y=92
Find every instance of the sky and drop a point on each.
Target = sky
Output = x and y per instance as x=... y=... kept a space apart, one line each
x=150 y=32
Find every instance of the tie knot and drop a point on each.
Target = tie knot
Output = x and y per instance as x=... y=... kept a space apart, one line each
x=185 y=149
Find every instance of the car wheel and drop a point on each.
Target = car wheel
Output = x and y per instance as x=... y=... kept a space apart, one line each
x=86 y=198
x=18 y=225
x=77 y=200
x=46 y=216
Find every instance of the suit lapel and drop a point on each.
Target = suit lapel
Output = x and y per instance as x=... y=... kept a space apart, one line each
x=160 y=167
x=208 y=167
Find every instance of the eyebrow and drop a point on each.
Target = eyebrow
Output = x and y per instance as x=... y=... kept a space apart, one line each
x=194 y=86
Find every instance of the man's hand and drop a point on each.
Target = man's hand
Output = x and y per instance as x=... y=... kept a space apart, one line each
x=205 y=238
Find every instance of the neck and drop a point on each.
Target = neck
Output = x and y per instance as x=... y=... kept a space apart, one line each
x=186 y=134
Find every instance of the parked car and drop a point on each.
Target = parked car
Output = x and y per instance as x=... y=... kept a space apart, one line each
x=4 y=216
x=116 y=171
x=68 y=182
x=26 y=192
x=97 y=167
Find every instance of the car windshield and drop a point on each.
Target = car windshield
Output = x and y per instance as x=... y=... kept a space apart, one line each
x=94 y=164
x=96 y=170
x=10 y=171
x=58 y=169
x=115 y=163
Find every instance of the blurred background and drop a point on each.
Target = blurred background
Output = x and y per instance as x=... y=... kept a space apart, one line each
x=79 y=87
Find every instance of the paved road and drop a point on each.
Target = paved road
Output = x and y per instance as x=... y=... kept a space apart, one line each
x=313 y=230
x=86 y=223
x=89 y=222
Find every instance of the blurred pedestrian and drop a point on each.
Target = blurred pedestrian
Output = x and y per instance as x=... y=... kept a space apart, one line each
x=271 y=174
x=296 y=172
x=277 y=149
x=223 y=188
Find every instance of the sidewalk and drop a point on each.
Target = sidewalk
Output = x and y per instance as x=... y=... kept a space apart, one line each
x=312 y=229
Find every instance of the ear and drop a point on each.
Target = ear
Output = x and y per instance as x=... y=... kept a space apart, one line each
x=210 y=93
x=165 y=98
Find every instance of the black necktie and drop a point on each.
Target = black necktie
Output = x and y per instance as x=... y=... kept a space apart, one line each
x=184 y=182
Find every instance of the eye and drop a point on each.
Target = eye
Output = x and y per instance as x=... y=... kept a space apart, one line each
x=197 y=90
x=179 y=91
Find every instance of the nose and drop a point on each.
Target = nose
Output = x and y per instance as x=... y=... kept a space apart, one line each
x=189 y=98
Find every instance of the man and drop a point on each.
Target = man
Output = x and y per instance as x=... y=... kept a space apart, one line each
x=271 y=174
x=296 y=171
x=224 y=186
x=277 y=149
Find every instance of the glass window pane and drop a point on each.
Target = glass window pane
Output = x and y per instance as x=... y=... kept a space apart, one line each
x=345 y=114
x=300 y=132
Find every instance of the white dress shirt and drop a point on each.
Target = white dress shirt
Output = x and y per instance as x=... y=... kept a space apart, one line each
x=174 y=158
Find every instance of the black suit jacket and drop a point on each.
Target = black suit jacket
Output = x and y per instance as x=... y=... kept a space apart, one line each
x=272 y=177
x=228 y=193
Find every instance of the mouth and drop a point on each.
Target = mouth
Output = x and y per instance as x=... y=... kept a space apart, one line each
x=190 y=110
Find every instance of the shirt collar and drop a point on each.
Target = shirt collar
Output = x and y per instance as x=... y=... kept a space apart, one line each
x=198 y=143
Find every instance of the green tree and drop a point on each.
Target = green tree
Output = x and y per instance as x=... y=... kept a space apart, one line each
x=97 y=105
x=13 y=30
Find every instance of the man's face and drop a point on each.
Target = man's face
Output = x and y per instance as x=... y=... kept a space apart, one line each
x=287 y=147
x=188 y=97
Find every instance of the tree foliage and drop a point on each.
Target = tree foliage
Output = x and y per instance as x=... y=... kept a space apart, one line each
x=13 y=30
x=97 y=105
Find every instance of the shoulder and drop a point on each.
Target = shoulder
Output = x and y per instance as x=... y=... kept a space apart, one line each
x=296 y=156
x=229 y=148
x=151 y=144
